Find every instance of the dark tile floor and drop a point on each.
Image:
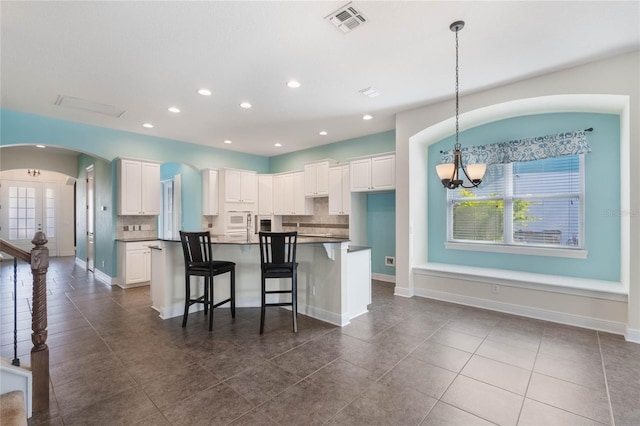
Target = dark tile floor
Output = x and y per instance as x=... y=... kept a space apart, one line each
x=407 y=362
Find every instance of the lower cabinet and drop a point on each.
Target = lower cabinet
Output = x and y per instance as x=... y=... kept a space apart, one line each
x=134 y=263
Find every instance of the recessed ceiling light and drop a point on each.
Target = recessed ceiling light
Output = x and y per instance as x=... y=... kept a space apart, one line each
x=367 y=117
x=293 y=84
x=245 y=105
x=40 y=146
x=174 y=109
x=204 y=92
x=278 y=144
x=227 y=141
x=323 y=133
x=148 y=125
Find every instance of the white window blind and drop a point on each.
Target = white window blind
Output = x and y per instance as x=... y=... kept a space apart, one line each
x=532 y=203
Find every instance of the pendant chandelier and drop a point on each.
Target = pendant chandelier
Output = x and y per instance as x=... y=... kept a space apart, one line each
x=449 y=172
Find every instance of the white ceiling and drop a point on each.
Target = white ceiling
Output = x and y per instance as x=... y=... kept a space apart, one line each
x=143 y=57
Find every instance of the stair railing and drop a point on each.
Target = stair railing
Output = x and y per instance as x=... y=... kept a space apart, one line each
x=39 y=261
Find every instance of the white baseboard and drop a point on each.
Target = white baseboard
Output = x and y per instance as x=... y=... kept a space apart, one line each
x=403 y=291
x=101 y=276
x=383 y=277
x=323 y=315
x=632 y=335
x=530 y=312
x=81 y=263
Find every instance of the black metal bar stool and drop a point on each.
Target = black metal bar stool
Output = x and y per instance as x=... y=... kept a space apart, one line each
x=278 y=260
x=198 y=261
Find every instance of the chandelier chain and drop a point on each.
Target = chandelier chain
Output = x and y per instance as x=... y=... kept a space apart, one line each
x=457 y=146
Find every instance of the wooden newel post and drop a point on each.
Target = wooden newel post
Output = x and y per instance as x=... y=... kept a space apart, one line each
x=40 y=350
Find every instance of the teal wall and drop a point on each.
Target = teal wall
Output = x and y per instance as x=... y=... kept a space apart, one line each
x=105 y=195
x=22 y=128
x=339 y=151
x=381 y=230
x=602 y=204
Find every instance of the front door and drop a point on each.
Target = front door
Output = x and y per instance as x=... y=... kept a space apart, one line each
x=28 y=206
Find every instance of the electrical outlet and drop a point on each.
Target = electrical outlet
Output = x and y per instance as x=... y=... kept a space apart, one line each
x=495 y=289
x=389 y=261
x=313 y=290
x=103 y=263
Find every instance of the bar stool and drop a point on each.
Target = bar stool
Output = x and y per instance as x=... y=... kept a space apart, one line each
x=198 y=261
x=278 y=260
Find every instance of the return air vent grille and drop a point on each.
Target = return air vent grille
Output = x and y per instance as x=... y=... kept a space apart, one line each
x=347 y=18
x=83 y=104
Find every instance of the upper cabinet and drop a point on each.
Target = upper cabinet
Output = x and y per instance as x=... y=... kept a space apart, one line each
x=265 y=194
x=339 y=190
x=316 y=178
x=210 y=190
x=288 y=195
x=239 y=186
x=373 y=173
x=138 y=187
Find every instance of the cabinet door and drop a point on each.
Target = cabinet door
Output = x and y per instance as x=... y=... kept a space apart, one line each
x=265 y=194
x=302 y=205
x=335 y=190
x=232 y=186
x=288 y=205
x=248 y=187
x=361 y=175
x=346 y=190
x=209 y=192
x=322 y=179
x=129 y=188
x=383 y=172
x=278 y=195
x=137 y=267
x=150 y=188
x=310 y=177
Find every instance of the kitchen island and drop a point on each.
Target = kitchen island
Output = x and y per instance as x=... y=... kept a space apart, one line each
x=334 y=280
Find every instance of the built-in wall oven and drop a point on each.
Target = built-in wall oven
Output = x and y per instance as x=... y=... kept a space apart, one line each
x=238 y=222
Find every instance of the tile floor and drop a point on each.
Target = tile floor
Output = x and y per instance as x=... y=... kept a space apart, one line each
x=407 y=362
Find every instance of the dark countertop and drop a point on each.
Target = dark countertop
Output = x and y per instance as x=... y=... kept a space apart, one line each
x=135 y=240
x=242 y=240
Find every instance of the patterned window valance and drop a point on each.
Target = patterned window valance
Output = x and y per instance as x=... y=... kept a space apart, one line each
x=530 y=149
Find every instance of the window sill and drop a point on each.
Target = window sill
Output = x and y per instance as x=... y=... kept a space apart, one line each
x=608 y=290
x=513 y=249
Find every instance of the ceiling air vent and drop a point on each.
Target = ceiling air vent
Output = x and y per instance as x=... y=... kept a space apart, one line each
x=347 y=18
x=83 y=104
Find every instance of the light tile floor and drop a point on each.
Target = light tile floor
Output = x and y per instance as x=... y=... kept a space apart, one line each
x=406 y=362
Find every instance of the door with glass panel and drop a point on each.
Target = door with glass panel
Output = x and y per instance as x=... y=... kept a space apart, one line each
x=28 y=207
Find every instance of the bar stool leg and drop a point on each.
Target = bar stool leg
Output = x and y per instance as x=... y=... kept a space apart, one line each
x=263 y=306
x=294 y=301
x=233 y=293
x=209 y=302
x=187 y=298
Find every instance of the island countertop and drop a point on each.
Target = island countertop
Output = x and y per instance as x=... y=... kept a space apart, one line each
x=253 y=239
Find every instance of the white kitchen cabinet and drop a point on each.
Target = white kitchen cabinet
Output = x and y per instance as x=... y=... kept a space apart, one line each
x=302 y=205
x=316 y=178
x=373 y=173
x=210 y=191
x=134 y=263
x=138 y=187
x=339 y=190
x=239 y=186
x=278 y=194
x=288 y=195
x=265 y=194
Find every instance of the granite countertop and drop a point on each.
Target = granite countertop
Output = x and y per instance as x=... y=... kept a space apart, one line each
x=135 y=240
x=302 y=239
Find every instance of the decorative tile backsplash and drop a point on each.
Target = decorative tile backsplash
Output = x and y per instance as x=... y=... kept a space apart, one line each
x=136 y=227
x=321 y=223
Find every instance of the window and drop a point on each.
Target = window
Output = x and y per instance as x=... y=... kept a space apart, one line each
x=522 y=204
x=22 y=212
